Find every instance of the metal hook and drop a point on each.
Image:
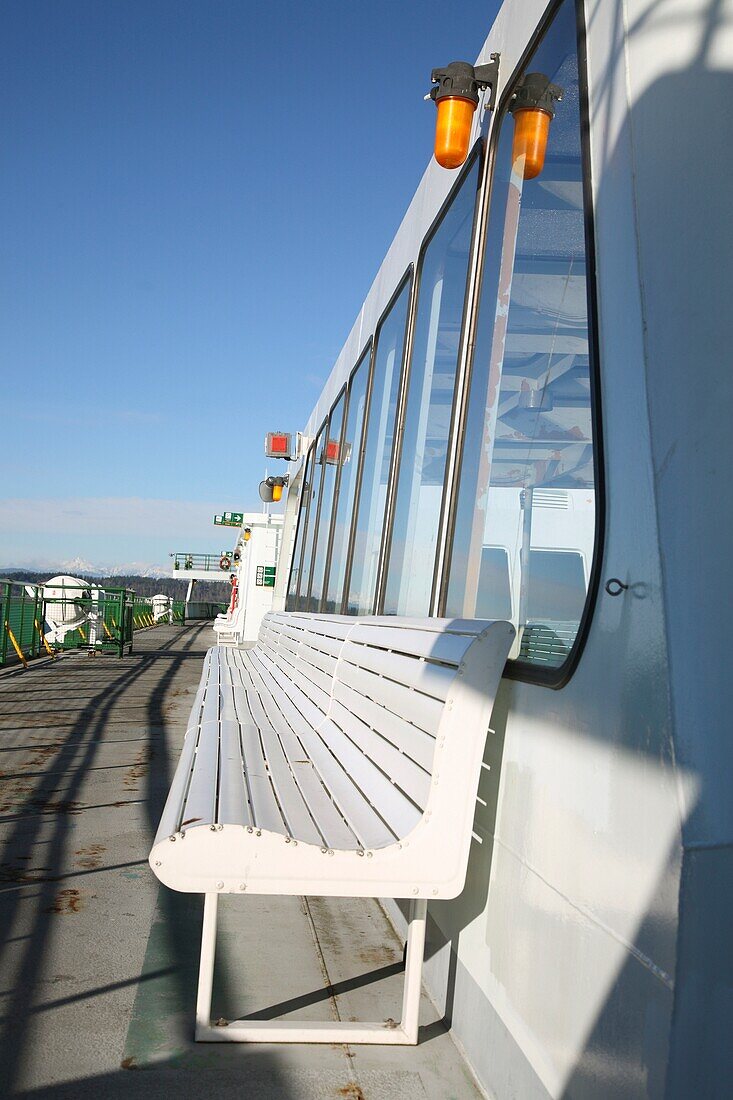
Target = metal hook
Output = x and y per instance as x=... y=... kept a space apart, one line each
x=615 y=587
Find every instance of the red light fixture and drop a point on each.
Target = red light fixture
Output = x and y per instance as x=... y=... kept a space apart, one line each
x=332 y=451
x=278 y=445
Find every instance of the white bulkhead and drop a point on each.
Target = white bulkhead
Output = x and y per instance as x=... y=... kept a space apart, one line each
x=589 y=953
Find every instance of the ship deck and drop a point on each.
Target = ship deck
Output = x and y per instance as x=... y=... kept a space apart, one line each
x=99 y=961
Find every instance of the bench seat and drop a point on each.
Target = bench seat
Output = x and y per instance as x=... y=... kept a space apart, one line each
x=338 y=757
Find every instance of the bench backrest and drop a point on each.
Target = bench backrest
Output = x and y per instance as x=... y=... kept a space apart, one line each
x=373 y=692
x=342 y=732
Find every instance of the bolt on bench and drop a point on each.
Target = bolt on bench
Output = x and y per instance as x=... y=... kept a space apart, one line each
x=338 y=757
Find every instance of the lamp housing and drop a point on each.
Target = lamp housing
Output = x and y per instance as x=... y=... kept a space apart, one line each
x=456 y=96
x=533 y=108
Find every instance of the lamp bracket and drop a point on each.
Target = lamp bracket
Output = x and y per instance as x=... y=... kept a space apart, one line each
x=464 y=80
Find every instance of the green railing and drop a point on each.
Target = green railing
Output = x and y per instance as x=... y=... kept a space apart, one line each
x=34 y=622
x=203 y=562
x=87 y=617
x=21 y=621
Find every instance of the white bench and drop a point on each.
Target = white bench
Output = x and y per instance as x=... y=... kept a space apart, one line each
x=337 y=757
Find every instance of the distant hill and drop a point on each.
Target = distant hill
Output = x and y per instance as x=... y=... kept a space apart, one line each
x=211 y=591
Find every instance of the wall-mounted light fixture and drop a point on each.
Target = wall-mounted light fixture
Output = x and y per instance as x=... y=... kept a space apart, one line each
x=533 y=108
x=278 y=445
x=271 y=489
x=456 y=95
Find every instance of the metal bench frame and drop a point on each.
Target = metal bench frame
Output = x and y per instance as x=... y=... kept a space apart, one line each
x=428 y=860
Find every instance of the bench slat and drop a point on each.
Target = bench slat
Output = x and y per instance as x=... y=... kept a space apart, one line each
x=447 y=648
x=291 y=804
x=266 y=812
x=369 y=829
x=334 y=830
x=420 y=746
x=170 y=821
x=408 y=775
x=424 y=676
x=300 y=822
x=312 y=682
x=200 y=804
x=303 y=703
x=421 y=710
x=234 y=807
x=394 y=808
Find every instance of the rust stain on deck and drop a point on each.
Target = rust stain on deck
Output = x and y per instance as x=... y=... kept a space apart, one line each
x=139 y=769
x=90 y=857
x=352 y=1091
x=66 y=901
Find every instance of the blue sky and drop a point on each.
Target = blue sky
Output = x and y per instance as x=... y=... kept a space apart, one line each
x=195 y=196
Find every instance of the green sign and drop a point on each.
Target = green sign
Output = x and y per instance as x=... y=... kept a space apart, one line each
x=265 y=576
x=229 y=519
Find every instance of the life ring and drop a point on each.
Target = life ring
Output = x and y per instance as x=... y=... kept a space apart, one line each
x=225 y=561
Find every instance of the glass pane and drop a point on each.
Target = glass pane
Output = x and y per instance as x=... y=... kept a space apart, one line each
x=387 y=376
x=301 y=599
x=328 y=458
x=527 y=474
x=494 y=597
x=429 y=406
x=305 y=495
x=349 y=462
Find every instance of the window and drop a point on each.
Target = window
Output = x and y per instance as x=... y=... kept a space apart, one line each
x=494 y=596
x=428 y=414
x=527 y=480
x=311 y=522
x=379 y=441
x=346 y=489
x=327 y=458
x=295 y=569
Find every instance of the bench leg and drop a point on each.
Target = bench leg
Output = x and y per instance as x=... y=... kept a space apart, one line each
x=417 y=921
x=206 y=964
x=312 y=1031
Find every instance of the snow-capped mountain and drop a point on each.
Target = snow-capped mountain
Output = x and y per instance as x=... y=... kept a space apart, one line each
x=75 y=566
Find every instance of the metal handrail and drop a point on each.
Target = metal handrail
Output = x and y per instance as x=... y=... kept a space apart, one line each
x=203 y=562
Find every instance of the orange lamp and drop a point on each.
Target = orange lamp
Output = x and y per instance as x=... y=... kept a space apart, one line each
x=271 y=489
x=533 y=108
x=453 y=130
x=247 y=535
x=456 y=95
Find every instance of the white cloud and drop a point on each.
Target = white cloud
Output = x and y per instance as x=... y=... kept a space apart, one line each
x=123 y=516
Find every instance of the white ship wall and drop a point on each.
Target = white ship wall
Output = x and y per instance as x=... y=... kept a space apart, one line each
x=588 y=955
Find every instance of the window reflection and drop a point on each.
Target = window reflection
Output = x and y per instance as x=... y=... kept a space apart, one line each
x=300 y=537
x=431 y=387
x=349 y=463
x=312 y=521
x=385 y=389
x=527 y=481
x=327 y=458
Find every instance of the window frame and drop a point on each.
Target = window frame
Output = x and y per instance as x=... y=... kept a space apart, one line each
x=301 y=593
x=406 y=279
x=367 y=350
x=327 y=425
x=301 y=520
x=407 y=364
x=515 y=669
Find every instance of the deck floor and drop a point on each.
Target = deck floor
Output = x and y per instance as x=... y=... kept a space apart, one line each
x=98 y=960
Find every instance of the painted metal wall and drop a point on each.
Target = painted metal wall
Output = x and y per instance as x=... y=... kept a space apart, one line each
x=565 y=967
